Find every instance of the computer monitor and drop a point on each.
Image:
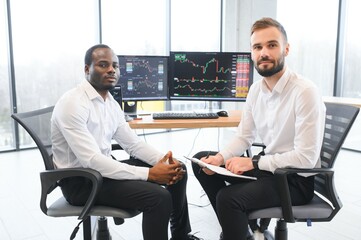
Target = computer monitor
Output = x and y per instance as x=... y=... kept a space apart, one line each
x=211 y=76
x=143 y=78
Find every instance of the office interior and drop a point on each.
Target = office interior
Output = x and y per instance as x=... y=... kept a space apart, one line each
x=43 y=44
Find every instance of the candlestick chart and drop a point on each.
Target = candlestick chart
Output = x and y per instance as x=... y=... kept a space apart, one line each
x=224 y=76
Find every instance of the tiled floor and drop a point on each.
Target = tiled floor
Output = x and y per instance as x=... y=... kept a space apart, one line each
x=22 y=219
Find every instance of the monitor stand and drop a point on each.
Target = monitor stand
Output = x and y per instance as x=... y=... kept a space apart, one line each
x=211 y=107
x=128 y=118
x=117 y=95
x=130 y=107
x=130 y=110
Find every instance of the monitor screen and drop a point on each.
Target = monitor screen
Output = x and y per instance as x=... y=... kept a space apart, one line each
x=143 y=77
x=219 y=76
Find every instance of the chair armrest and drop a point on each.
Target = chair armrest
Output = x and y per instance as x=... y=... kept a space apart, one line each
x=50 y=178
x=249 y=153
x=116 y=146
x=283 y=188
x=261 y=145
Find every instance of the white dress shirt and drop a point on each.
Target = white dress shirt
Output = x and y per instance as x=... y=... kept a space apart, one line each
x=289 y=120
x=83 y=126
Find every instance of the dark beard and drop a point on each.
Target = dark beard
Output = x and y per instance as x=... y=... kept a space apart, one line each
x=271 y=71
x=108 y=87
x=102 y=87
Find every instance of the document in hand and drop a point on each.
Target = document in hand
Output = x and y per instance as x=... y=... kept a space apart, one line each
x=219 y=170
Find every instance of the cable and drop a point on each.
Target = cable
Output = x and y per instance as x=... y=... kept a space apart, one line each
x=145 y=139
x=199 y=130
x=219 y=133
x=75 y=231
x=197 y=205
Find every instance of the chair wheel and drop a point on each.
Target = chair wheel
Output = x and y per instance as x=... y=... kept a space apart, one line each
x=118 y=221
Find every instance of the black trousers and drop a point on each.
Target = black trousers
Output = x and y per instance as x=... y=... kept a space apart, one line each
x=232 y=201
x=159 y=204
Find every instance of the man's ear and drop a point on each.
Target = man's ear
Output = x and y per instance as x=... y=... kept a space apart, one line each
x=86 y=69
x=287 y=49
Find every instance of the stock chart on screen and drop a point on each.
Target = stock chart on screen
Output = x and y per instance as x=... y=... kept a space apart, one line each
x=222 y=76
x=143 y=77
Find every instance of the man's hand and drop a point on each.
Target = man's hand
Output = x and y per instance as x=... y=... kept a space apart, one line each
x=180 y=170
x=216 y=160
x=166 y=173
x=239 y=165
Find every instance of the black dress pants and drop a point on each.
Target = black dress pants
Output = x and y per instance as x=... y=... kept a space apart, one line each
x=157 y=203
x=231 y=197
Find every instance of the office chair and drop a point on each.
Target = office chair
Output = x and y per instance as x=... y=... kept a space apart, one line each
x=325 y=203
x=37 y=124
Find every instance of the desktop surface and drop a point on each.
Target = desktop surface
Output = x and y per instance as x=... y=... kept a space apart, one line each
x=343 y=100
x=185 y=115
x=147 y=122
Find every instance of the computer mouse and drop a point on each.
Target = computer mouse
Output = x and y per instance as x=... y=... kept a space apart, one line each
x=222 y=113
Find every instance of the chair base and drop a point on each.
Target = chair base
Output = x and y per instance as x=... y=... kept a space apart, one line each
x=281 y=232
x=103 y=230
x=268 y=235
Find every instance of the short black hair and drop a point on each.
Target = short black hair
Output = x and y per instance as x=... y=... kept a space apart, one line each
x=88 y=55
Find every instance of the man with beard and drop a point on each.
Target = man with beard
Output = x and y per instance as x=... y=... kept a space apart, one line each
x=285 y=111
x=85 y=121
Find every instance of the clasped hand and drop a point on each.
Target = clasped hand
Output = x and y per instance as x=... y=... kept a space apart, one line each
x=166 y=172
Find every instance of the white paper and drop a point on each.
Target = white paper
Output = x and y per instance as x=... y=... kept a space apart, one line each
x=219 y=170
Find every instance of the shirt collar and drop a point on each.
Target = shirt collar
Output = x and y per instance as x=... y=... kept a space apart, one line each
x=280 y=85
x=90 y=91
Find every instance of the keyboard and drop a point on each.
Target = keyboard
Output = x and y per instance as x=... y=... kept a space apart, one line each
x=184 y=115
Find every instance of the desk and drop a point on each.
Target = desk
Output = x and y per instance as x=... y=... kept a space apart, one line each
x=342 y=100
x=147 y=122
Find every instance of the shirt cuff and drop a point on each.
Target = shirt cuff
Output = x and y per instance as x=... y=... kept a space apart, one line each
x=263 y=163
x=142 y=172
x=225 y=155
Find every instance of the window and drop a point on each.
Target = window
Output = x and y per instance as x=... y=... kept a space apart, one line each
x=50 y=39
x=351 y=86
x=135 y=27
x=195 y=25
x=312 y=38
x=131 y=28
x=6 y=134
x=49 y=47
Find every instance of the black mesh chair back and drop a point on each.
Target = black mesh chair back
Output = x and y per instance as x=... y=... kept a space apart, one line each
x=326 y=202
x=339 y=120
x=37 y=124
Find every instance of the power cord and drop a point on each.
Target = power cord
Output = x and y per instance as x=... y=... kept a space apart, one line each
x=198 y=205
x=219 y=133
x=145 y=139
x=194 y=141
